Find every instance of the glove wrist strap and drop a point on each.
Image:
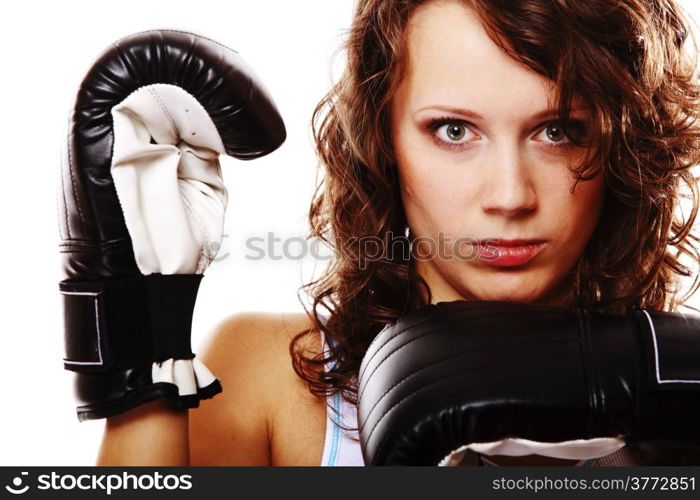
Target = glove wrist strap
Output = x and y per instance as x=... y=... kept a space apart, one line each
x=171 y=301
x=125 y=322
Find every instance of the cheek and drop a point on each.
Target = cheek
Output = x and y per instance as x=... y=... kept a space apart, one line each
x=430 y=197
x=415 y=176
x=430 y=186
x=416 y=194
x=582 y=208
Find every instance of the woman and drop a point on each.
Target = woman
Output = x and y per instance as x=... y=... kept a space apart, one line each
x=459 y=125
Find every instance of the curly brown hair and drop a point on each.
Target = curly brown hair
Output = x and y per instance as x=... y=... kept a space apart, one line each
x=632 y=62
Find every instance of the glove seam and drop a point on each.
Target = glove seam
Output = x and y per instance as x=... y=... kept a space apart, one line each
x=175 y=31
x=63 y=193
x=204 y=259
x=163 y=108
x=72 y=181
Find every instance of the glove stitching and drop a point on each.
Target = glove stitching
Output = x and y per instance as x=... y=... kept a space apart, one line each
x=72 y=181
x=60 y=207
x=164 y=110
x=409 y=327
x=76 y=250
x=63 y=192
x=203 y=254
x=92 y=244
x=175 y=31
x=203 y=258
x=369 y=360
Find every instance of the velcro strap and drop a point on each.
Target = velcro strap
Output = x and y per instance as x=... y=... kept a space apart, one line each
x=106 y=324
x=124 y=322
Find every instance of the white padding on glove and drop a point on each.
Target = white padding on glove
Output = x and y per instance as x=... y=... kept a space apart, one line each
x=165 y=166
x=573 y=449
x=186 y=374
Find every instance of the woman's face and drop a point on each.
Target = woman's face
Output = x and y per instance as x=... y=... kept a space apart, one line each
x=477 y=159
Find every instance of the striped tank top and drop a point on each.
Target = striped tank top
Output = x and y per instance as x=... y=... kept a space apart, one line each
x=341 y=447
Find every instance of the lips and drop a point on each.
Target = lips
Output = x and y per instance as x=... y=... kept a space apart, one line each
x=502 y=242
x=509 y=253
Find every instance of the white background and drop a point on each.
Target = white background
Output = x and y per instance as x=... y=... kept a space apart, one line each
x=46 y=49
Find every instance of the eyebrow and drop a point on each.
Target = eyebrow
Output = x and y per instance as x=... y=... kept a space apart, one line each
x=540 y=115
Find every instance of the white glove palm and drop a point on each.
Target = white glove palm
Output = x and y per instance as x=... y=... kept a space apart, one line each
x=165 y=167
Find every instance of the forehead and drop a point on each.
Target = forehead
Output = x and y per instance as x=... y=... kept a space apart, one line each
x=452 y=60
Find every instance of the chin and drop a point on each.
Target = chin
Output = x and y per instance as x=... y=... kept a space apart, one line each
x=503 y=296
x=522 y=291
x=513 y=290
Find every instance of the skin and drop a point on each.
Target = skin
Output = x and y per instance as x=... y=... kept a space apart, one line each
x=508 y=176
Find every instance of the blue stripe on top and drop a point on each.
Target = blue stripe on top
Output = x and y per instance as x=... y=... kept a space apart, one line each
x=336 y=431
x=335 y=403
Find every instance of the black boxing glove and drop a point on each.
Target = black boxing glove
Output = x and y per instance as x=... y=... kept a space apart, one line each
x=141 y=210
x=515 y=379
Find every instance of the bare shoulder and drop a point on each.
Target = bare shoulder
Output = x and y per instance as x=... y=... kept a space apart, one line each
x=247 y=423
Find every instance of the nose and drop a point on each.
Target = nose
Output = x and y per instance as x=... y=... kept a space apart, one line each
x=507 y=188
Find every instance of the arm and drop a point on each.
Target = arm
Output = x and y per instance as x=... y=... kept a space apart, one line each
x=231 y=429
x=149 y=435
x=265 y=415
